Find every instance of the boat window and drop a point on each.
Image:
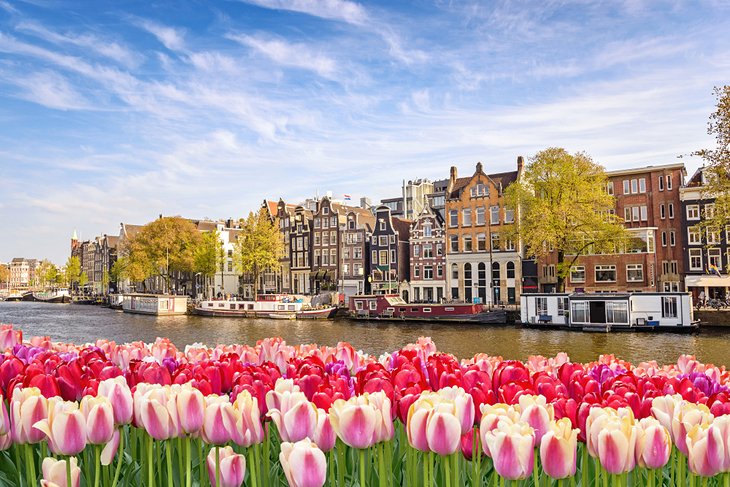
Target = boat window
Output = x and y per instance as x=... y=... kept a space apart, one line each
x=281 y=307
x=414 y=310
x=562 y=305
x=241 y=306
x=401 y=309
x=221 y=305
x=291 y=307
x=233 y=306
x=210 y=305
x=390 y=310
x=542 y=307
x=250 y=306
x=617 y=312
x=579 y=312
x=358 y=305
x=669 y=307
x=373 y=304
x=426 y=310
x=448 y=308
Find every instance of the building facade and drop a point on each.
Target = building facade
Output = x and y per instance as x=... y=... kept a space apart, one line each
x=482 y=263
x=355 y=236
x=428 y=258
x=22 y=273
x=389 y=270
x=325 y=247
x=706 y=251
x=300 y=248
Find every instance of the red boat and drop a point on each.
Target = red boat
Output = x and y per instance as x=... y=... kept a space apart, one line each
x=394 y=308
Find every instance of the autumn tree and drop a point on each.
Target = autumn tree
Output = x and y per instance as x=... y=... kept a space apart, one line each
x=83 y=280
x=209 y=255
x=717 y=170
x=4 y=274
x=72 y=270
x=46 y=274
x=563 y=205
x=259 y=245
x=164 y=248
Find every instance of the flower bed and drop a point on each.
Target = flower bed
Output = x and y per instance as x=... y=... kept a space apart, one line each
x=271 y=414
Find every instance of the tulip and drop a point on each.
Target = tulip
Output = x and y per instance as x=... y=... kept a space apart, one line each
x=157 y=413
x=110 y=449
x=54 y=473
x=443 y=429
x=464 y=406
x=663 y=407
x=512 y=448
x=653 y=444
x=559 y=449
x=232 y=467
x=685 y=418
x=99 y=419
x=27 y=407
x=491 y=416
x=119 y=394
x=324 y=435
x=417 y=420
x=65 y=427
x=616 y=442
x=249 y=430
x=537 y=413
x=219 y=421
x=9 y=337
x=705 y=450
x=190 y=409
x=4 y=418
x=295 y=417
x=355 y=421
x=304 y=464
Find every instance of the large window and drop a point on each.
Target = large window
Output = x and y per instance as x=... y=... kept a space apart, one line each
x=579 y=311
x=617 y=312
x=454 y=243
x=693 y=212
x=428 y=272
x=466 y=217
x=427 y=251
x=695 y=259
x=509 y=215
x=495 y=241
x=578 y=273
x=626 y=186
x=510 y=270
x=642 y=185
x=713 y=236
x=694 y=237
x=605 y=273
x=383 y=258
x=494 y=215
x=634 y=186
x=454 y=218
x=479 y=190
x=427 y=231
x=541 y=306
x=480 y=215
x=481 y=242
x=417 y=271
x=669 y=306
x=713 y=258
x=634 y=272
x=454 y=271
x=416 y=250
x=467 y=243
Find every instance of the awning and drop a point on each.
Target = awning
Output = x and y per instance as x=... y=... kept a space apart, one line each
x=707 y=281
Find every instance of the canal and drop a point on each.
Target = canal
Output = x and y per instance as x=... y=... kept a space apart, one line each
x=81 y=324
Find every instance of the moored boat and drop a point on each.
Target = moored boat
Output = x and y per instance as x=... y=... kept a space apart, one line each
x=291 y=316
x=265 y=306
x=58 y=296
x=155 y=304
x=14 y=296
x=394 y=308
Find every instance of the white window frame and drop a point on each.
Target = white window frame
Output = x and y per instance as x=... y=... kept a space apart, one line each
x=695 y=254
x=573 y=272
x=627 y=187
x=636 y=268
x=642 y=185
x=604 y=268
x=693 y=212
x=694 y=236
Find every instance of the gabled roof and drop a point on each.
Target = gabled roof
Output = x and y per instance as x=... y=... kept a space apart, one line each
x=403 y=227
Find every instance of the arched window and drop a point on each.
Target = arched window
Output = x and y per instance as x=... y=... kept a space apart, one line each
x=495 y=270
x=454 y=271
x=510 y=270
x=467 y=282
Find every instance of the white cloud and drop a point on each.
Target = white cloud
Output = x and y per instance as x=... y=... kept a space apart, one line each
x=340 y=10
x=173 y=39
x=51 y=90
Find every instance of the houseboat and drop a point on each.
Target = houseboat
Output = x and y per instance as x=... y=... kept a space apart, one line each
x=53 y=296
x=394 y=308
x=609 y=311
x=155 y=304
x=14 y=296
x=278 y=306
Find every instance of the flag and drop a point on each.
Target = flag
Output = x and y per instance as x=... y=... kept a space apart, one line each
x=715 y=270
x=347 y=197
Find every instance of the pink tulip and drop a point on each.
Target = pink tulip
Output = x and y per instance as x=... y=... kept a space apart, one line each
x=119 y=394
x=99 y=419
x=303 y=463
x=537 y=413
x=616 y=443
x=705 y=448
x=295 y=418
x=512 y=449
x=463 y=404
x=686 y=416
x=559 y=449
x=4 y=418
x=65 y=427
x=110 y=449
x=219 y=421
x=663 y=408
x=157 y=413
x=249 y=430
x=653 y=444
x=190 y=409
x=417 y=421
x=9 y=337
x=491 y=416
x=54 y=473
x=324 y=436
x=232 y=467
x=27 y=407
x=355 y=421
x=384 y=428
x=443 y=430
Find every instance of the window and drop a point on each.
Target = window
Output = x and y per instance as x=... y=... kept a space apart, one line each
x=562 y=306
x=383 y=256
x=669 y=303
x=481 y=242
x=392 y=255
x=617 y=312
x=635 y=213
x=346 y=269
x=634 y=186
x=609 y=187
x=627 y=214
x=467 y=243
x=439 y=271
x=509 y=244
x=509 y=215
x=669 y=182
x=713 y=236
x=317 y=223
x=454 y=240
x=383 y=240
x=427 y=230
x=644 y=216
x=466 y=217
x=605 y=273
x=316 y=238
x=428 y=272
x=671 y=210
x=642 y=185
x=325 y=257
x=333 y=221
x=634 y=272
x=375 y=256
x=510 y=270
x=710 y=211
x=578 y=273
x=661 y=183
x=417 y=271
x=325 y=210
x=695 y=259
x=416 y=250
x=351 y=224
x=382 y=224
x=325 y=223
x=662 y=213
x=317 y=260
x=333 y=237
x=373 y=304
x=454 y=218
x=230 y=266
x=454 y=271
x=664 y=239
x=495 y=241
x=579 y=311
x=541 y=306
x=694 y=237
x=626 y=186
x=713 y=258
x=439 y=250
x=427 y=251
x=356 y=269
x=480 y=215
x=494 y=215
x=392 y=238
x=671 y=286
x=693 y=212
x=479 y=190
x=346 y=253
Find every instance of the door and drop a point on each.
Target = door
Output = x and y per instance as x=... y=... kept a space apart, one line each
x=598 y=311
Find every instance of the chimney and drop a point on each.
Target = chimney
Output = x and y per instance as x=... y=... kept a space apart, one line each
x=479 y=167
x=520 y=163
x=454 y=173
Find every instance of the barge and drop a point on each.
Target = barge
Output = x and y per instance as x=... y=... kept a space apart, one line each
x=394 y=308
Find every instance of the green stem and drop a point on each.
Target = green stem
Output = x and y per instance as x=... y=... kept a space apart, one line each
x=726 y=480
x=188 y=463
x=331 y=467
x=447 y=470
x=180 y=450
x=253 y=466
x=97 y=465
x=341 y=463
x=381 y=464
x=584 y=468
x=362 y=468
x=32 y=480
x=217 y=466
x=68 y=472
x=604 y=474
x=426 y=482
x=168 y=458
x=596 y=472
x=150 y=463
x=201 y=463
x=535 y=471
x=120 y=458
x=455 y=469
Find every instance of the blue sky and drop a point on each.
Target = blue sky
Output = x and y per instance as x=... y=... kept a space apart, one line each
x=118 y=111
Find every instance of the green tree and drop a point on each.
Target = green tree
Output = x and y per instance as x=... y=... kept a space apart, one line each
x=209 y=255
x=259 y=245
x=4 y=274
x=105 y=279
x=717 y=159
x=83 y=280
x=163 y=248
x=73 y=270
x=46 y=274
x=562 y=204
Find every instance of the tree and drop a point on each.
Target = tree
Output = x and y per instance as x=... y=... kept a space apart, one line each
x=4 y=274
x=209 y=255
x=105 y=278
x=162 y=248
x=717 y=170
x=45 y=273
x=562 y=204
x=73 y=270
x=259 y=245
x=83 y=280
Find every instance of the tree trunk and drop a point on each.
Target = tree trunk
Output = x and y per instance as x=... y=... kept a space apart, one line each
x=561 y=278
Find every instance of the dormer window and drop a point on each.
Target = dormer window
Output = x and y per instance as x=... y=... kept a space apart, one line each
x=427 y=231
x=479 y=189
x=382 y=224
x=325 y=210
x=351 y=224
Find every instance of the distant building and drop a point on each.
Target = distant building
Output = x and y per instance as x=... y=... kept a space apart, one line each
x=22 y=273
x=300 y=224
x=428 y=257
x=389 y=270
x=355 y=232
x=706 y=251
x=415 y=197
x=395 y=205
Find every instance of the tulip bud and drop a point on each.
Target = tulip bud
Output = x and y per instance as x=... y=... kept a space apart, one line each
x=295 y=418
x=99 y=419
x=65 y=427
x=559 y=449
x=537 y=413
x=355 y=421
x=686 y=416
x=616 y=443
x=653 y=444
x=190 y=405
x=219 y=420
x=232 y=467
x=324 y=436
x=511 y=446
x=27 y=407
x=54 y=473
x=303 y=463
x=249 y=430
x=705 y=450
x=119 y=394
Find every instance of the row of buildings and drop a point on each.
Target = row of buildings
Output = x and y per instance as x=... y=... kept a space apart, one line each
x=447 y=240
x=21 y=275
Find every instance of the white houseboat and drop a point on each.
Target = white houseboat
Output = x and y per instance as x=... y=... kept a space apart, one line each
x=609 y=311
x=155 y=304
x=278 y=306
x=53 y=296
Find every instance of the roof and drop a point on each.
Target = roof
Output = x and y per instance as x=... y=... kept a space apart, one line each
x=128 y=231
x=696 y=179
x=645 y=169
x=111 y=241
x=403 y=227
x=501 y=178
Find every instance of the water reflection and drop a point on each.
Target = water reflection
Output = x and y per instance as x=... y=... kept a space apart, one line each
x=87 y=323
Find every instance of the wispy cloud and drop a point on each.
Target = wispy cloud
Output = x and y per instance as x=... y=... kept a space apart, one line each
x=340 y=10
x=170 y=37
x=50 y=90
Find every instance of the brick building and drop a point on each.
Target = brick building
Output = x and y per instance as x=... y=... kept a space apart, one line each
x=389 y=270
x=428 y=257
x=300 y=248
x=355 y=231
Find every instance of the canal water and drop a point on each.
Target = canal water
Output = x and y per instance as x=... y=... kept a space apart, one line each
x=82 y=324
